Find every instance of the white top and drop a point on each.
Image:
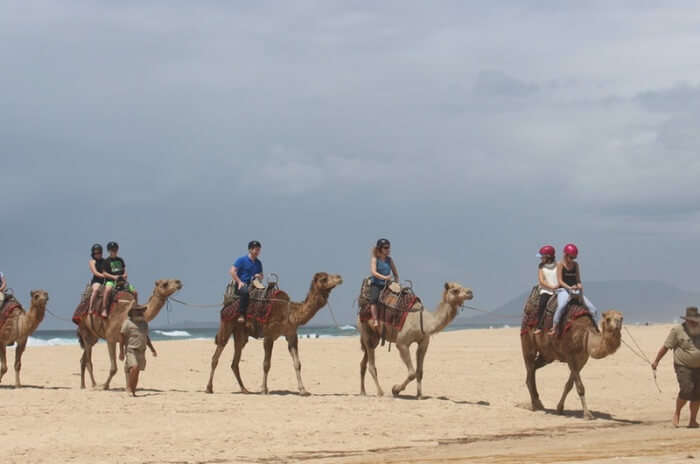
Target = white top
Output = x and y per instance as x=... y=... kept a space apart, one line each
x=549 y=271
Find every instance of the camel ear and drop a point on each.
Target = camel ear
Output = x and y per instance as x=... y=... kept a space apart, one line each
x=158 y=282
x=32 y=293
x=447 y=285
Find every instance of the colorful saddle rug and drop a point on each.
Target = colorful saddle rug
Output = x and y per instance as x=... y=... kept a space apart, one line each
x=393 y=307
x=8 y=308
x=81 y=311
x=573 y=311
x=259 y=305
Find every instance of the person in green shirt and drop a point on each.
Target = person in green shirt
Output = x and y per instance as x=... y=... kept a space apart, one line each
x=684 y=340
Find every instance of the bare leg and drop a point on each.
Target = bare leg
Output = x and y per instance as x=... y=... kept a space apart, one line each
x=105 y=298
x=694 y=406
x=133 y=380
x=680 y=402
x=239 y=341
x=112 y=349
x=268 y=343
x=363 y=370
x=375 y=318
x=581 y=390
x=293 y=345
x=405 y=354
x=221 y=341
x=95 y=288
x=567 y=388
x=3 y=361
x=420 y=358
x=19 y=350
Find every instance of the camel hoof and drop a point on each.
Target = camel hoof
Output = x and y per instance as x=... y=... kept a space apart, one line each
x=560 y=411
x=588 y=416
x=304 y=393
x=265 y=391
x=245 y=390
x=209 y=389
x=537 y=406
x=363 y=393
x=395 y=390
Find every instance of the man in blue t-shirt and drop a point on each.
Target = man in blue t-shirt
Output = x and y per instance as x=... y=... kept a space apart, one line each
x=244 y=270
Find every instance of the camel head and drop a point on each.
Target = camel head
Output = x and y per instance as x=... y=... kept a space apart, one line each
x=166 y=287
x=39 y=298
x=455 y=294
x=323 y=282
x=611 y=322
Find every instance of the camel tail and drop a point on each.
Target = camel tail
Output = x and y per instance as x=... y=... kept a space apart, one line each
x=80 y=339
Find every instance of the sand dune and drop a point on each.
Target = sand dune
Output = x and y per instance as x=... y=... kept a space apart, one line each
x=474 y=382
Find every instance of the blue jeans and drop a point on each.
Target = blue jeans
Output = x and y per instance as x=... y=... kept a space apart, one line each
x=244 y=297
x=563 y=298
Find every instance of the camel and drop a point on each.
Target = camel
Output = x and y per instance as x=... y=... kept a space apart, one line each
x=574 y=347
x=418 y=328
x=17 y=329
x=286 y=316
x=93 y=327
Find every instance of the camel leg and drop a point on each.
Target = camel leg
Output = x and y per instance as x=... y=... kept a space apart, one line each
x=239 y=341
x=373 y=369
x=420 y=358
x=363 y=371
x=293 y=345
x=3 y=361
x=268 y=343
x=19 y=350
x=112 y=349
x=581 y=390
x=221 y=341
x=532 y=386
x=567 y=389
x=88 y=363
x=405 y=354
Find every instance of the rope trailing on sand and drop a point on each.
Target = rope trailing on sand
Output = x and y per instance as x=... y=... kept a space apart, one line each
x=640 y=354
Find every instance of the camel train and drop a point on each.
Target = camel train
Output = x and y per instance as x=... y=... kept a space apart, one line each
x=389 y=312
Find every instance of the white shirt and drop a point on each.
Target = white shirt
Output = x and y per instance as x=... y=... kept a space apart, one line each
x=549 y=272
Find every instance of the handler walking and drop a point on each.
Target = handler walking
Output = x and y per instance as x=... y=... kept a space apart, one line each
x=684 y=340
x=134 y=340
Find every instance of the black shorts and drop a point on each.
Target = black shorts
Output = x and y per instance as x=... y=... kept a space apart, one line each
x=374 y=291
x=689 y=382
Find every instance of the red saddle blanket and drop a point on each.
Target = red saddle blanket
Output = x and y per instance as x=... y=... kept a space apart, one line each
x=573 y=311
x=82 y=310
x=259 y=309
x=407 y=302
x=8 y=308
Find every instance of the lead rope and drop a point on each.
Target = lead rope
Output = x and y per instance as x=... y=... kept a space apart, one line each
x=640 y=354
x=58 y=317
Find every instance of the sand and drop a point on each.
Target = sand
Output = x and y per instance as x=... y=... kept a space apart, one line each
x=474 y=382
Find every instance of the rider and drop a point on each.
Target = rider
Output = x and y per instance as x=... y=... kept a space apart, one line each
x=3 y=286
x=569 y=276
x=382 y=267
x=96 y=264
x=548 y=282
x=244 y=270
x=115 y=275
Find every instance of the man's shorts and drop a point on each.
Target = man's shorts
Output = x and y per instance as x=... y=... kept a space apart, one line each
x=127 y=286
x=135 y=359
x=689 y=382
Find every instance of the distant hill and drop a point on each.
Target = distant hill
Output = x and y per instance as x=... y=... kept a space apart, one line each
x=639 y=300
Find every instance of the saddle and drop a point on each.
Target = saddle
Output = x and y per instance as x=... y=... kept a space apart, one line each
x=8 y=307
x=82 y=310
x=395 y=302
x=573 y=310
x=259 y=306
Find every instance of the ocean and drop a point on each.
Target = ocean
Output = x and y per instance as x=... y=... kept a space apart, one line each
x=68 y=337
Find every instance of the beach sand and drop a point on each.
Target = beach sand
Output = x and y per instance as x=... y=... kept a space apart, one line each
x=474 y=383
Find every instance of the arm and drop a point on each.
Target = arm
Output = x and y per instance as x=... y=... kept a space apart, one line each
x=578 y=277
x=234 y=276
x=260 y=274
x=659 y=355
x=394 y=271
x=93 y=269
x=3 y=285
x=125 y=275
x=150 y=345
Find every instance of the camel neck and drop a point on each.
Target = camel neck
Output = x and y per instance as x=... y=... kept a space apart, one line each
x=602 y=344
x=33 y=318
x=440 y=318
x=301 y=313
x=153 y=306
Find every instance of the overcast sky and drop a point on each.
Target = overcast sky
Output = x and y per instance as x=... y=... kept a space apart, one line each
x=468 y=133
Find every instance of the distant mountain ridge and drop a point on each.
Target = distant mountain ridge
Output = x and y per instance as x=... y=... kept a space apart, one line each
x=639 y=300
